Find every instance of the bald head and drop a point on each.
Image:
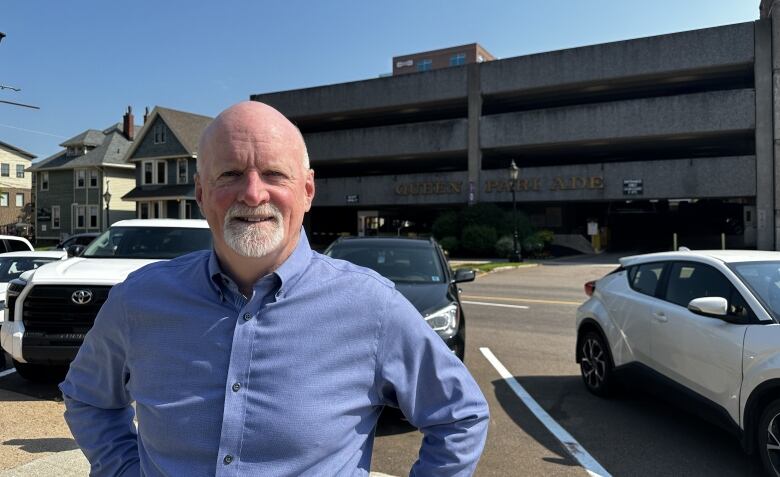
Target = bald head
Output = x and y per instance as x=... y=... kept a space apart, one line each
x=253 y=122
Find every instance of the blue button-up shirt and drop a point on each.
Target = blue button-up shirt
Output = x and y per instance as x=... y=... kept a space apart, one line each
x=287 y=382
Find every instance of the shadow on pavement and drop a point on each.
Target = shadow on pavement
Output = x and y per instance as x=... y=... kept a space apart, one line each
x=18 y=385
x=392 y=422
x=632 y=434
x=46 y=444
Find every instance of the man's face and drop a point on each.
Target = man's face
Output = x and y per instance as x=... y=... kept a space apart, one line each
x=252 y=186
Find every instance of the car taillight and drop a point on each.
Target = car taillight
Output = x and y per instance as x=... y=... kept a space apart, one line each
x=590 y=287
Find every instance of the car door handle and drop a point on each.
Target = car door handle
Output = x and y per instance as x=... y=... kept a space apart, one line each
x=660 y=316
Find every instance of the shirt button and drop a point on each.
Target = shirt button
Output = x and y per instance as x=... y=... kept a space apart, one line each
x=228 y=459
x=247 y=317
x=236 y=387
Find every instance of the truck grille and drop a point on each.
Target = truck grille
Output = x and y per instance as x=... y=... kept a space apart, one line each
x=49 y=310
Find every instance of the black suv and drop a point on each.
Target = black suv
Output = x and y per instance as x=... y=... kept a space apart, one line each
x=421 y=273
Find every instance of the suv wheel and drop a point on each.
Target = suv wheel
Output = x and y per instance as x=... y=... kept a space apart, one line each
x=769 y=438
x=595 y=364
x=41 y=373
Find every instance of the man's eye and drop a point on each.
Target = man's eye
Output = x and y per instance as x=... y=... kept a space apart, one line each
x=230 y=174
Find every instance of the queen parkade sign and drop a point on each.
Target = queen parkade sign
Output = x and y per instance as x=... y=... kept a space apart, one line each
x=524 y=184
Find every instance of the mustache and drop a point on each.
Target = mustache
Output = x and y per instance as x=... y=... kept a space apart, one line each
x=240 y=210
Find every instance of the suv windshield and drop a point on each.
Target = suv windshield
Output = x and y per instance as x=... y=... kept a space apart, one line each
x=13 y=267
x=413 y=262
x=148 y=242
x=764 y=279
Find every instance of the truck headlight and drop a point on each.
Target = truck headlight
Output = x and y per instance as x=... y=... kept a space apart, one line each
x=13 y=291
x=444 y=321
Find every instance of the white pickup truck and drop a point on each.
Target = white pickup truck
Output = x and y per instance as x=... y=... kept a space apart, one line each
x=51 y=309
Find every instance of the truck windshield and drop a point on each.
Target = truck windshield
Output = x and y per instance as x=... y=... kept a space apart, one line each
x=148 y=242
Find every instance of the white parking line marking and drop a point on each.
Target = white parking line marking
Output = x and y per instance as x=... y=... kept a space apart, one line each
x=7 y=372
x=587 y=461
x=494 y=304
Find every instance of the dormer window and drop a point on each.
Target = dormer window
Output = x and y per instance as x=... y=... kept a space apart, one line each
x=159 y=133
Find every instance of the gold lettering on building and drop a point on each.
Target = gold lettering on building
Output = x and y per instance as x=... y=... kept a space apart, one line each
x=429 y=188
x=534 y=184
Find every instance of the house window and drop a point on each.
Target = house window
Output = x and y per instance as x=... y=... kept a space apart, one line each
x=424 y=65
x=5 y=170
x=162 y=166
x=19 y=199
x=155 y=172
x=93 y=216
x=55 y=216
x=3 y=199
x=181 y=167
x=20 y=171
x=45 y=180
x=81 y=178
x=93 y=178
x=458 y=59
x=159 y=133
x=80 y=215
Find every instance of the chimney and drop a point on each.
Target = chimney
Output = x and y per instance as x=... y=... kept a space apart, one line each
x=146 y=114
x=127 y=124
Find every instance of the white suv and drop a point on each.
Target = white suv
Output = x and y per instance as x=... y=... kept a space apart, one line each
x=49 y=310
x=702 y=326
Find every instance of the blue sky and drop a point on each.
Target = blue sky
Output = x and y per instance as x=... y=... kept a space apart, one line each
x=83 y=62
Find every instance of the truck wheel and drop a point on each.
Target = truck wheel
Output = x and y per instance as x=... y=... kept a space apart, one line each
x=41 y=373
x=768 y=438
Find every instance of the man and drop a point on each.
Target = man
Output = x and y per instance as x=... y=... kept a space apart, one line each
x=262 y=357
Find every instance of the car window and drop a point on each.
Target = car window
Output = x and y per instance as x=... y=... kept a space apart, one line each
x=84 y=240
x=13 y=267
x=763 y=278
x=688 y=280
x=17 y=245
x=644 y=278
x=148 y=242
x=400 y=263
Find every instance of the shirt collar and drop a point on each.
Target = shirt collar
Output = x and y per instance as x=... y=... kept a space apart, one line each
x=289 y=272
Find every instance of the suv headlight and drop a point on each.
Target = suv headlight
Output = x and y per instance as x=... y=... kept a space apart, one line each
x=444 y=321
x=13 y=291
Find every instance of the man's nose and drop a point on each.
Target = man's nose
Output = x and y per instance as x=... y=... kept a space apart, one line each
x=253 y=190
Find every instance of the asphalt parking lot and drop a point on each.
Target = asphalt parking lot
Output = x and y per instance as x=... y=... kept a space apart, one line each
x=522 y=319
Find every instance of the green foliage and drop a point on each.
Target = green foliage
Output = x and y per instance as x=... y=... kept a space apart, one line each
x=489 y=215
x=537 y=241
x=504 y=246
x=479 y=239
x=476 y=230
x=449 y=243
x=446 y=225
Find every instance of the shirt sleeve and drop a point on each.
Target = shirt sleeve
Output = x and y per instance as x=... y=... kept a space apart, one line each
x=417 y=373
x=97 y=403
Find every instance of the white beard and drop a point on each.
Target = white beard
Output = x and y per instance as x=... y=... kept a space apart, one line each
x=255 y=240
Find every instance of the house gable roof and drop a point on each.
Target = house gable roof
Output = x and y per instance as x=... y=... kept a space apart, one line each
x=186 y=128
x=90 y=137
x=110 y=152
x=16 y=150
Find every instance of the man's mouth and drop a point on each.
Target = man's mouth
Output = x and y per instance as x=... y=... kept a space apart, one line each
x=254 y=219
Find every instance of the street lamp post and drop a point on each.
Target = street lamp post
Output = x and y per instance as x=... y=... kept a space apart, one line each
x=514 y=171
x=107 y=200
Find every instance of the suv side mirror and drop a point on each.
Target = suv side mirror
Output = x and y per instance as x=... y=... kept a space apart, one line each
x=709 y=306
x=76 y=250
x=464 y=275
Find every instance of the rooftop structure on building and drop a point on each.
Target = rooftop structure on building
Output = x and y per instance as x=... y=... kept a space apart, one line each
x=442 y=58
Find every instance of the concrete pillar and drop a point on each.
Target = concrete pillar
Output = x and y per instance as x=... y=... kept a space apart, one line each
x=765 y=136
x=474 y=150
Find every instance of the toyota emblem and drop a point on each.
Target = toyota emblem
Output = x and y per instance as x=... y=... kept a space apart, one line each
x=81 y=297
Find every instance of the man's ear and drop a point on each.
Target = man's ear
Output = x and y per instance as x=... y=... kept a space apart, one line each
x=198 y=191
x=309 y=187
